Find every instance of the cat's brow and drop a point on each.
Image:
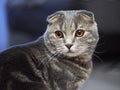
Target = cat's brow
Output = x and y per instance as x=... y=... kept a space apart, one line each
x=73 y=26
x=64 y=27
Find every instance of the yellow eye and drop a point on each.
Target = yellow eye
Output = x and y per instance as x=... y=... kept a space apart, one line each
x=79 y=33
x=59 y=34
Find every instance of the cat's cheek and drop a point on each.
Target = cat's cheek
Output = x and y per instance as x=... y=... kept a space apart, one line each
x=78 y=49
x=65 y=50
x=62 y=49
x=73 y=49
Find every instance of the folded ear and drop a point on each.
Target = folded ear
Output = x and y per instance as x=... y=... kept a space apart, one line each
x=86 y=15
x=55 y=17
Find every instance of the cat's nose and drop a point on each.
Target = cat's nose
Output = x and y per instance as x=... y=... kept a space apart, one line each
x=68 y=46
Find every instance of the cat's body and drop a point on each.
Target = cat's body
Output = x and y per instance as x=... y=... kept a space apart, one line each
x=25 y=69
x=44 y=64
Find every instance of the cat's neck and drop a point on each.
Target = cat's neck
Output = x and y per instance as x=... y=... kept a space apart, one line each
x=76 y=60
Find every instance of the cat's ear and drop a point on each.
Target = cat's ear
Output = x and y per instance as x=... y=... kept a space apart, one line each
x=86 y=15
x=55 y=17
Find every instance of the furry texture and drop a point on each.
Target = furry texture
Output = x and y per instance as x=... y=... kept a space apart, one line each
x=48 y=64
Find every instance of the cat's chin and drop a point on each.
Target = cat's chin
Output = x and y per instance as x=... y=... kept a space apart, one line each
x=71 y=54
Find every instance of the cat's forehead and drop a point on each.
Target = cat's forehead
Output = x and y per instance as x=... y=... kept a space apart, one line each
x=70 y=20
x=71 y=24
x=70 y=13
x=68 y=25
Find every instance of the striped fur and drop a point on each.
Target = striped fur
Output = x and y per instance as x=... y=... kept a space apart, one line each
x=46 y=63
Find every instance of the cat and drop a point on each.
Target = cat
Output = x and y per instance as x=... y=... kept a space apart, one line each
x=61 y=59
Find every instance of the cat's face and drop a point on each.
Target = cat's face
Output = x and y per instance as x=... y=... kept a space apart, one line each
x=71 y=33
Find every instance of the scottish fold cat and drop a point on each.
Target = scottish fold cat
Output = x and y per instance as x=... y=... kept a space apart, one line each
x=61 y=59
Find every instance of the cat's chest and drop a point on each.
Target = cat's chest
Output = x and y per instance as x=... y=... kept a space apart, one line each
x=63 y=74
x=66 y=76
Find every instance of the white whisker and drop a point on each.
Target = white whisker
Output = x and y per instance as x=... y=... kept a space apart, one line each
x=51 y=58
x=98 y=58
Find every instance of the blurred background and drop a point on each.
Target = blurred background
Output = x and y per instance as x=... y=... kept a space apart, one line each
x=23 y=21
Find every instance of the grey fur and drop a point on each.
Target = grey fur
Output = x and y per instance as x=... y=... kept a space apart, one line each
x=68 y=22
x=49 y=64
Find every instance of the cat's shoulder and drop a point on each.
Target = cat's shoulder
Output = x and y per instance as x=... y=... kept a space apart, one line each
x=12 y=54
x=16 y=53
x=20 y=52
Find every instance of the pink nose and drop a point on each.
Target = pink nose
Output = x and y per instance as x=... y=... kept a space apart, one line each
x=68 y=46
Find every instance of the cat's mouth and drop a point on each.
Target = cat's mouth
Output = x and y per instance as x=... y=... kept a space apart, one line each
x=70 y=53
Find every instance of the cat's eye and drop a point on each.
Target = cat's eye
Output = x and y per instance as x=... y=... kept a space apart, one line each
x=79 y=33
x=59 y=34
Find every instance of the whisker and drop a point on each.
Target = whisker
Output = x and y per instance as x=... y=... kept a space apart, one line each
x=100 y=44
x=51 y=58
x=98 y=58
x=42 y=61
x=101 y=37
x=98 y=52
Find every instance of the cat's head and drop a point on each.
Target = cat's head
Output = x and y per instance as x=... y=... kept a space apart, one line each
x=71 y=33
